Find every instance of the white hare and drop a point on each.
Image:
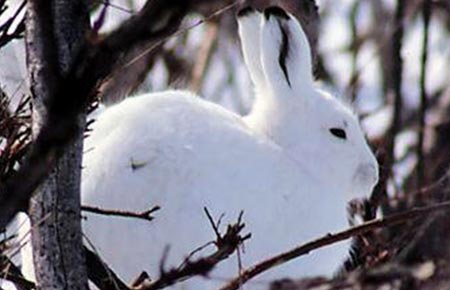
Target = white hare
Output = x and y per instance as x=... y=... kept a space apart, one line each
x=291 y=165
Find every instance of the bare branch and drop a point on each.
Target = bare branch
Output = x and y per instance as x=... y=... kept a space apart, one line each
x=9 y=271
x=145 y=215
x=100 y=274
x=393 y=90
x=5 y=35
x=226 y=245
x=104 y=278
x=426 y=13
x=204 y=56
x=12 y=273
x=329 y=239
x=353 y=85
x=16 y=131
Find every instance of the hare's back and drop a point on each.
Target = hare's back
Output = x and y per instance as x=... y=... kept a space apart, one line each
x=172 y=141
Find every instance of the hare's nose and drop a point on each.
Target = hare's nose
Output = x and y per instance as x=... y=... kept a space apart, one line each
x=367 y=172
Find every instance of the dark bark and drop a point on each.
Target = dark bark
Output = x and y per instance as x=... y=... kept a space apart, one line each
x=423 y=96
x=394 y=93
x=55 y=32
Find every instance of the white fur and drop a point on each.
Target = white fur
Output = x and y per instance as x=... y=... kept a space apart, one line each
x=280 y=164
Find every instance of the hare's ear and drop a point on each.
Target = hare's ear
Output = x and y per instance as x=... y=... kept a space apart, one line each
x=249 y=27
x=285 y=52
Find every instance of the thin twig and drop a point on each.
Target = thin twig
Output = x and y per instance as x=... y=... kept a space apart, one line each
x=194 y=252
x=105 y=278
x=117 y=6
x=211 y=221
x=6 y=37
x=353 y=84
x=394 y=90
x=100 y=274
x=329 y=239
x=204 y=56
x=426 y=13
x=10 y=272
x=184 y=30
x=215 y=226
x=226 y=245
x=98 y=23
x=145 y=215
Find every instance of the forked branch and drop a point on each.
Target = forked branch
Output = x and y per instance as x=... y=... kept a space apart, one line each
x=144 y=215
x=104 y=278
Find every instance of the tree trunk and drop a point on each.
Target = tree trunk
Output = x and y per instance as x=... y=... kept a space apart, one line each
x=55 y=33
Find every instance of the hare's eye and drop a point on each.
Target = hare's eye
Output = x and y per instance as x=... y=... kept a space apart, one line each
x=339 y=133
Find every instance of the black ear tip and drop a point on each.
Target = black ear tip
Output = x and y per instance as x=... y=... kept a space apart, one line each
x=275 y=11
x=245 y=11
